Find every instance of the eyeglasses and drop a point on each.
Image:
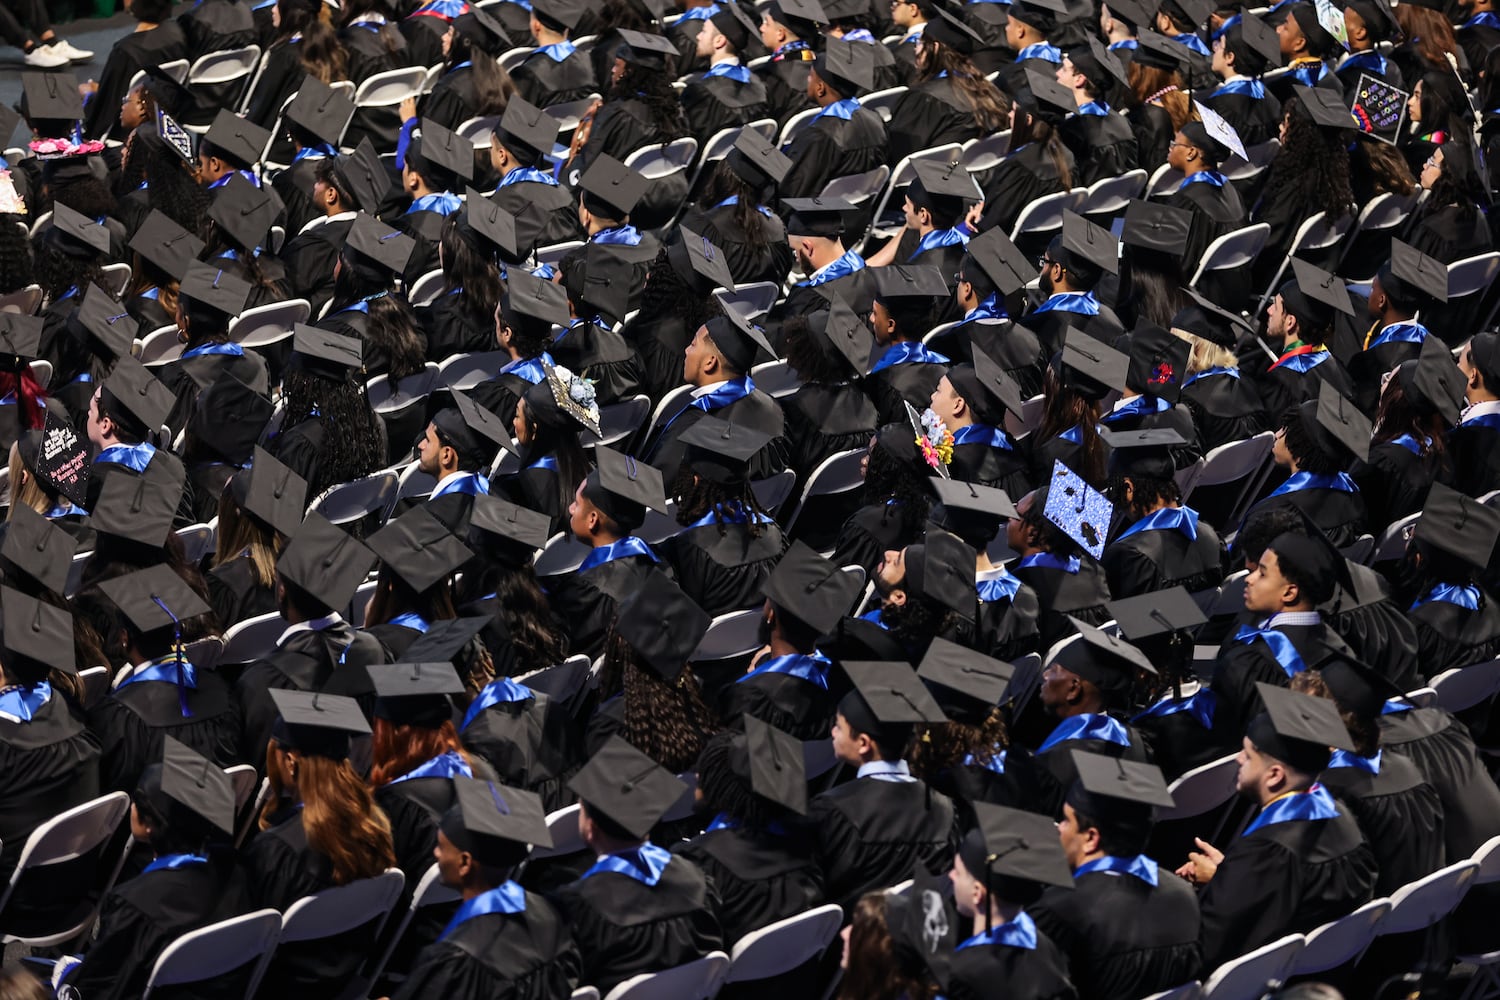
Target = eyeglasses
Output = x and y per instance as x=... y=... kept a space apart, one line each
x=959 y=279
x=1433 y=161
x=1045 y=261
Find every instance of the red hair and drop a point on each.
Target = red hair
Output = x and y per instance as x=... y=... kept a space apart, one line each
x=400 y=748
x=30 y=397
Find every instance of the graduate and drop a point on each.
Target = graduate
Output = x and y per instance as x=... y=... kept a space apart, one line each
x=935 y=233
x=1457 y=621
x=843 y=138
x=242 y=216
x=232 y=145
x=1158 y=103
x=1005 y=626
x=1037 y=162
x=610 y=191
x=788 y=687
x=1152 y=390
x=436 y=162
x=124 y=416
x=1055 y=560
x=949 y=99
x=815 y=229
x=1224 y=405
x=366 y=306
x=732 y=212
x=1307 y=44
x=1370 y=24
x=992 y=269
x=639 y=908
x=1302 y=860
x=504 y=942
x=467 y=88
x=258 y=509
x=474 y=242
x=1078 y=378
x=162 y=252
x=418 y=556
x=1197 y=151
x=549 y=421
x=972 y=401
x=456 y=449
x=1177 y=723
x=1298 y=321
x=1471 y=443
x=906 y=372
x=96 y=332
x=1074 y=263
x=872 y=830
x=728 y=544
x=207 y=302
x=727 y=94
x=329 y=434
x=423 y=29
x=1410 y=281
x=217 y=24
x=345 y=185
x=524 y=318
x=518 y=145
x=789 y=29
x=1126 y=927
x=829 y=412
x=556 y=71
x=598 y=283
x=157 y=39
x=1102 y=142
x=1026 y=34
x=1242 y=53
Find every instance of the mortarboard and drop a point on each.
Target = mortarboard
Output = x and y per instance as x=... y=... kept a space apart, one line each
x=38 y=548
x=489 y=820
x=1378 y=108
x=848 y=67
x=471 y=429
x=1326 y=107
x=171 y=95
x=1000 y=259
x=598 y=281
x=75 y=234
x=942 y=187
x=699 y=263
x=886 y=697
x=1094 y=244
x=810 y=588
x=379 y=244
x=648 y=51
x=58 y=456
x=154 y=598
x=1204 y=319
x=412 y=693
x=719 y=451
x=509 y=522
x=773 y=761
x=491 y=225
x=839 y=333
x=165 y=244
x=527 y=296
x=1336 y=424
x=1091 y=367
x=272 y=492
x=50 y=97
x=627 y=786
x=1459 y=525
x=315 y=723
x=1104 y=59
x=941 y=567
x=1039 y=14
x=362 y=176
x=734 y=24
x=967 y=684
x=909 y=281
x=1314 y=294
x=1158 y=362
x=229 y=417
x=325 y=561
x=945 y=29
x=1433 y=382
x=662 y=625
x=1116 y=791
x=1012 y=844
x=1160 y=52
x=140 y=508
x=1217 y=131
x=1420 y=272
x=1297 y=729
x=803 y=16
x=322 y=111
x=35 y=630
x=562 y=400
x=1261 y=38
x=564 y=12
x=1135 y=12
x=986 y=387
x=1307 y=556
x=193 y=782
x=739 y=341
x=623 y=487
x=1161 y=611
x=970 y=510
x=1081 y=511
x=1107 y=662
x=21 y=336
x=238 y=139
x=1144 y=452
x=445 y=641
x=526 y=129
x=244 y=212
x=419 y=549
x=1196 y=11
x=817 y=216
x=215 y=287
x=1357 y=689
x=1040 y=95
x=1156 y=227
x=143 y=396
x=326 y=353
x=1378 y=15
x=479 y=27
x=756 y=161
x=443 y=148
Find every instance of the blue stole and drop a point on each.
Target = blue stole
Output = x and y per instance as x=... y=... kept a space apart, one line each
x=734 y=199
x=317 y=151
x=151 y=293
x=645 y=864
x=444 y=765
x=202 y=350
x=21 y=703
x=440 y=202
x=1340 y=481
x=1210 y=177
x=1082 y=303
x=1200 y=705
x=1042 y=51
x=1047 y=560
x=874 y=617
x=812 y=668
x=1315 y=803
x=1280 y=646
x=506 y=898
x=411 y=620
x=1411 y=444
x=911 y=352
x=225 y=179
x=735 y=72
x=940 y=238
x=1484 y=19
x=781 y=53
x=1129 y=44
x=721 y=396
x=502 y=689
x=529 y=369
x=1017 y=933
x=1088 y=726
x=995 y=765
x=840 y=109
x=1073 y=434
x=1343 y=758
x=1216 y=370
x=1311 y=73
x=462 y=65
x=545 y=462
x=442 y=8
x=623 y=549
x=1093 y=108
x=1371 y=60
x=1302 y=363
x=1487 y=420
x=1254 y=88
x=981 y=434
x=617 y=236
x=1406 y=333
x=1137 y=406
x=846 y=264
x=134 y=457
x=164 y=671
x=1140 y=866
x=1224 y=26
x=558 y=51
x=1183 y=519
x=172 y=861
x=724 y=821
x=1448 y=593
x=998 y=588
x=520 y=174
x=860 y=35
x=729 y=512
x=1193 y=42
x=699 y=13
x=990 y=307
x=469 y=484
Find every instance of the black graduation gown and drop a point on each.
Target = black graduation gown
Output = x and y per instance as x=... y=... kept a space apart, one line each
x=871 y=832
x=1002 y=972
x=280 y=78
x=451 y=330
x=1178 y=740
x=1368 y=366
x=1282 y=385
x=857 y=290
x=393 y=639
x=1061 y=594
x=792 y=704
x=1041 y=779
x=217 y=24
x=624 y=927
x=1477 y=41
x=454 y=99
x=823 y=419
x=1241 y=665
x=1153 y=134
x=1284 y=878
x=1003 y=468
x=127 y=57
x=757 y=410
x=499 y=956
x=1024 y=176
x=1442 y=749
x=769 y=259
x=415 y=808
x=1052 y=326
x=1225 y=409
x=1006 y=627
x=1475 y=449
x=724 y=572
x=907 y=382
x=761 y=877
x=1450 y=635
x=142 y=916
x=1123 y=938
x=1102 y=146
x=1158 y=560
x=1257 y=120
x=587 y=600
x=603 y=357
x=423 y=35
x=187 y=377
x=132 y=721
x=1395 y=482
x=100 y=472
x=1215 y=211
x=235 y=594
x=47 y=766
x=309 y=258
x=931 y=113
x=1375 y=628
x=1451 y=234
x=620 y=128
x=712 y=103
x=870 y=533
x=1341 y=515
x=785 y=78
x=370 y=48
x=830 y=147
x=1400 y=815
x=148 y=312
x=524 y=742
x=1013 y=347
x=545 y=81
x=558 y=208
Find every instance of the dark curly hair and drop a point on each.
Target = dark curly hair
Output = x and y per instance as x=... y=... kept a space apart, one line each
x=666 y=294
x=939 y=748
x=473 y=270
x=351 y=442
x=989 y=106
x=56 y=272
x=695 y=496
x=1147 y=493
x=1304 y=448
x=88 y=196
x=665 y=720
x=1043 y=532
x=532 y=629
x=890 y=477
x=805 y=356
x=1310 y=172
x=15 y=255
x=654 y=90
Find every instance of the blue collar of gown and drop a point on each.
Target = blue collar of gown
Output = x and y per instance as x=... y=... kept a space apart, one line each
x=622 y=549
x=1088 y=726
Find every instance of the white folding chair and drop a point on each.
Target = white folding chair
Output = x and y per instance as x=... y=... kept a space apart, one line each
x=348 y=502
x=618 y=421
x=586 y=992
x=429 y=892
x=563 y=553
x=1393 y=540
x=818 y=758
x=1110 y=195
x=885 y=228
x=217 y=950
x=465 y=371
x=670 y=405
x=838 y=473
x=1314 y=237
x=1340 y=941
x=775 y=378
x=663 y=159
x=1418 y=905
x=65 y=837
x=478 y=130
x=386 y=396
x=1237 y=170
x=1472 y=275
x=561 y=680
x=511 y=58
x=796 y=123
x=359 y=604
x=781 y=947
x=1358 y=551
x=253 y=638
x=1045 y=214
x=116 y=279
x=698 y=980
x=985 y=152
x=733 y=633
x=196 y=541
x=1486 y=980
x=95 y=682
x=25 y=301
x=1030 y=418
x=242 y=777
x=772 y=491
x=337 y=911
x=426 y=288
x=389 y=89
x=1232 y=251
x=553 y=254
x=1255 y=973
x=857 y=188
x=261 y=326
x=563 y=826
x=225 y=66
x=1380 y=219
x=1202 y=790
x=412 y=484
x=1246 y=462
x=721 y=142
x=1186 y=478
x=1465 y=687
x=205 y=653
x=160 y=347
x=752 y=301
x=883 y=102
x=1164 y=180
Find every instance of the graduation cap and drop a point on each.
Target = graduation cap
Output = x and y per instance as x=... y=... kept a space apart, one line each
x=229 y=417
x=1458 y=525
x=445 y=641
x=176 y=138
x=443 y=148
x=164 y=243
x=652 y=52
x=154 y=598
x=1378 y=109
x=839 y=333
x=738 y=340
x=1042 y=15
x=35 y=631
x=379 y=244
x=563 y=401
x=190 y=781
x=1012 y=844
x=51 y=97
x=1107 y=662
x=327 y=353
x=75 y=234
x=719 y=451
x=1432 y=382
x=802 y=16
x=810 y=588
x=1086 y=242
x=623 y=487
x=625 y=785
x=734 y=24
x=171 y=94
x=942 y=188
x=1040 y=95
x=1090 y=366
x=1204 y=319
x=509 y=522
x=471 y=429
x=1134 y=12
x=945 y=29
x=271 y=492
x=320 y=110
x=1355 y=687
x=1378 y=15
x=1336 y=424
x=817 y=216
x=483 y=30
x=1081 y=511
x=1001 y=261
x=1195 y=12
x=1261 y=39
x=1158 y=362
x=21 y=340
x=887 y=697
x=238 y=139
x=699 y=263
x=325 y=561
x=362 y=176
x=411 y=693
x=419 y=549
x=1297 y=729
x=1307 y=556
x=970 y=510
x=526 y=129
x=756 y=161
x=967 y=684
x=1144 y=452
x=1157 y=613
x=1160 y=52
x=38 y=548
x=1214 y=134
x=662 y=625
x=564 y=12
x=140 y=508
x=490 y=820
x=1120 y=793
x=909 y=281
x=529 y=299
x=144 y=398
x=490 y=225
x=58 y=457
x=317 y=724
x=215 y=287
x=1155 y=226
x=598 y=281
x=942 y=567
x=244 y=212
x=986 y=387
x=1326 y=107
x=1313 y=294
x=847 y=67
x=773 y=763
x=1416 y=274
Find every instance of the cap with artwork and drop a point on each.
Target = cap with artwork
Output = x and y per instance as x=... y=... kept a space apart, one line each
x=325 y=353
x=1155 y=226
x=186 y=780
x=318 y=724
x=1297 y=729
x=662 y=625
x=1158 y=362
x=611 y=190
x=626 y=786
x=1459 y=525
x=1378 y=108
x=1079 y=510
x=562 y=401
x=140 y=508
x=648 y=51
x=623 y=487
x=75 y=234
x=526 y=130
x=419 y=549
x=720 y=451
x=1001 y=261
x=847 y=67
x=236 y=139
x=494 y=823
x=35 y=546
x=411 y=693
x=271 y=492
x=740 y=342
x=967 y=684
x=321 y=111
x=1212 y=134
x=941 y=567
x=325 y=561
x=165 y=244
x=216 y=288
x=1336 y=424
x=810 y=588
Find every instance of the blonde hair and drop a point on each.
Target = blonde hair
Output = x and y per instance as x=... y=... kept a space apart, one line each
x=1206 y=354
x=240 y=532
x=339 y=815
x=25 y=489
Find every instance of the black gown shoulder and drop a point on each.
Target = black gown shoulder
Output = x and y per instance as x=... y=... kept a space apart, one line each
x=830 y=147
x=871 y=832
x=761 y=877
x=999 y=972
x=133 y=720
x=1102 y=145
x=47 y=765
x=1400 y=815
x=1159 y=560
x=724 y=571
x=1061 y=594
x=545 y=81
x=792 y=704
x=235 y=594
x=929 y=114
x=499 y=956
x=823 y=420
x=1449 y=635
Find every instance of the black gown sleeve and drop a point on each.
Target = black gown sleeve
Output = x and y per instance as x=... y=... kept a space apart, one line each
x=121 y=957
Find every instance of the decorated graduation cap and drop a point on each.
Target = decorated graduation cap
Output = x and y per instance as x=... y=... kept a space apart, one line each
x=377 y=250
x=1107 y=662
x=1313 y=295
x=738 y=341
x=271 y=491
x=629 y=788
x=319 y=110
x=526 y=130
x=323 y=352
x=663 y=625
x=244 y=212
x=187 y=789
x=75 y=234
x=1014 y=854
x=941 y=567
x=216 y=288
x=1411 y=277
x=419 y=549
x=494 y=823
x=986 y=387
x=1204 y=319
x=135 y=398
x=236 y=140
x=507 y=523
x=756 y=161
x=1458 y=525
x=442 y=153
x=38 y=548
x=611 y=190
x=362 y=176
x=1336 y=424
x=38 y=636
x=1432 y=381
x=1144 y=452
x=622 y=487
x=810 y=588
x=1002 y=262
x=315 y=723
x=967 y=684
x=1121 y=794
x=817 y=216
x=325 y=561
x=1083 y=243
x=942 y=188
x=562 y=401
x=166 y=245
x=720 y=451
x=1158 y=362
x=847 y=67
x=1297 y=729
x=1213 y=135
x=1089 y=366
x=414 y=694
x=1041 y=96
x=648 y=51
x=1378 y=109
x=228 y=418
x=58 y=457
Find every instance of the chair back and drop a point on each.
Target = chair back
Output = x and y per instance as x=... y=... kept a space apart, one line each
x=116 y=278
x=883 y=102
x=1393 y=540
x=1472 y=275
x=224 y=66
x=351 y=501
x=665 y=159
x=985 y=152
x=1255 y=973
x=25 y=301
x=796 y=123
x=857 y=188
x=271 y=323
x=837 y=473
x=563 y=825
x=160 y=346
x=465 y=371
x=772 y=491
x=1341 y=941
x=96 y=682
x=781 y=947
x=343 y=908
x=1164 y=180
x=618 y=421
x=752 y=301
x=733 y=633
x=562 y=554
x=1418 y=905
x=429 y=892
x=253 y=638
x=1045 y=214
x=425 y=289
x=1203 y=789
x=1464 y=687
x=511 y=58
x=1232 y=250
x=390 y=88
x=698 y=980
x=1246 y=463
x=218 y=950
x=1111 y=195
x=69 y=835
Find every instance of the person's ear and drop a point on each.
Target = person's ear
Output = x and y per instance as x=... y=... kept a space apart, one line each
x=897 y=597
x=1129 y=490
x=1291 y=594
x=1091 y=839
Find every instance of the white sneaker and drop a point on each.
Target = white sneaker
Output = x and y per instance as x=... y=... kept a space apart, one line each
x=66 y=49
x=42 y=57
